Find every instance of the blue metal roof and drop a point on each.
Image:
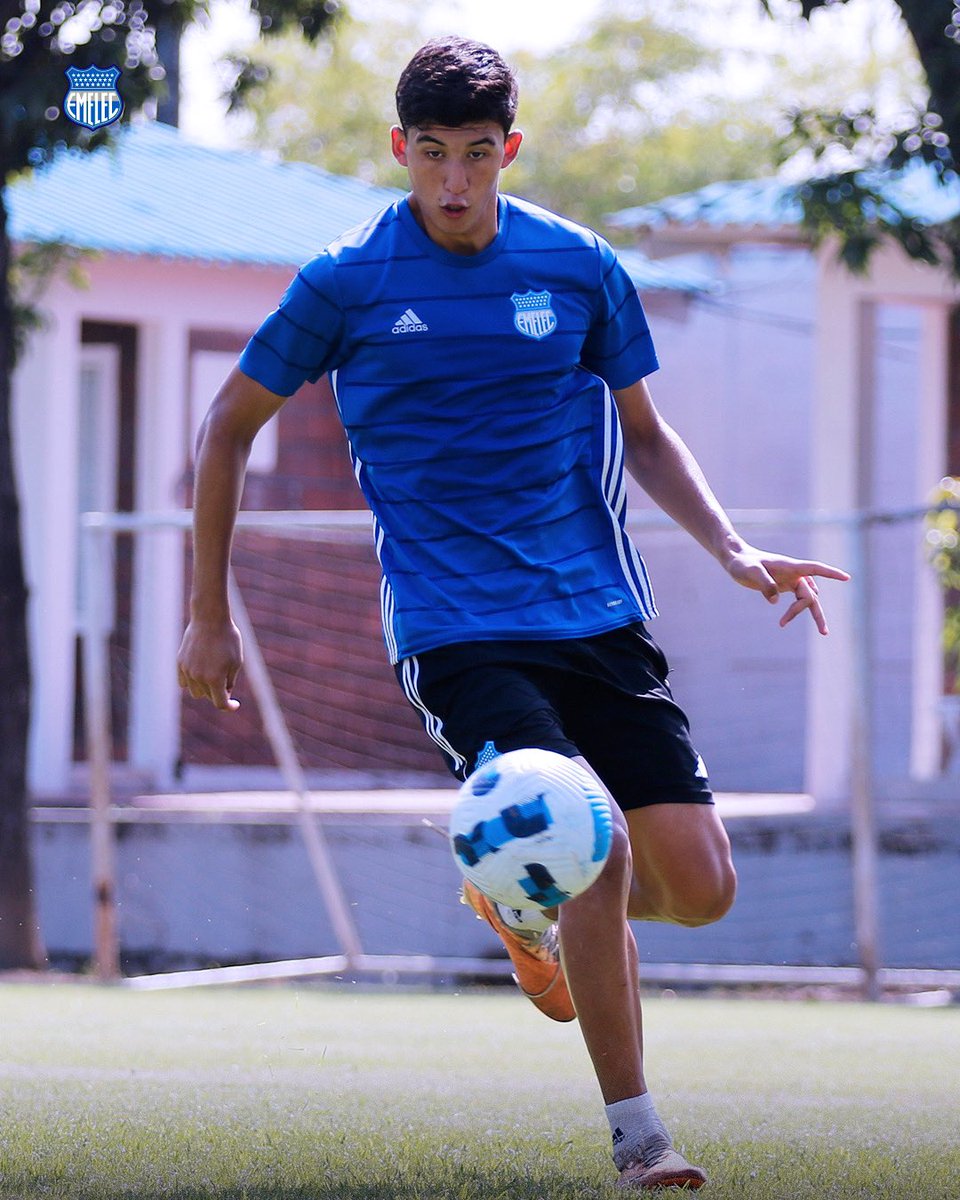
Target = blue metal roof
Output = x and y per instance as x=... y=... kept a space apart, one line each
x=153 y=192
x=649 y=275
x=742 y=202
x=775 y=204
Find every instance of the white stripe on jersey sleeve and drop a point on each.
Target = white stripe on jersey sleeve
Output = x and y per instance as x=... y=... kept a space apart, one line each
x=615 y=494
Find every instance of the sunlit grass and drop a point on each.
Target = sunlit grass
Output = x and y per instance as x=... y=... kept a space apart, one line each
x=288 y=1093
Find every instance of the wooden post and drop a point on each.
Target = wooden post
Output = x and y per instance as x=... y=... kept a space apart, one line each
x=96 y=689
x=862 y=814
x=285 y=753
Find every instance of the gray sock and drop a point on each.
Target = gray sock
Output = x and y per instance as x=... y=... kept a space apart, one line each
x=637 y=1131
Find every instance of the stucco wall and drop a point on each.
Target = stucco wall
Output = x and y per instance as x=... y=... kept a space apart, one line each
x=220 y=893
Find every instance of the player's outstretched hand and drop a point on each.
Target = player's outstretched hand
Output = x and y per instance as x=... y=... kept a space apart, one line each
x=772 y=574
x=209 y=662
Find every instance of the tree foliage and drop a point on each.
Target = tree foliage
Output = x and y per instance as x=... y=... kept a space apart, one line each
x=598 y=134
x=632 y=111
x=934 y=26
x=332 y=104
x=637 y=108
x=39 y=39
x=853 y=203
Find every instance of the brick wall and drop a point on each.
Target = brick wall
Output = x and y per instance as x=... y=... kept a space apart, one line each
x=316 y=609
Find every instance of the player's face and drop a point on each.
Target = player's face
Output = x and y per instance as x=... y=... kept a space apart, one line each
x=454 y=175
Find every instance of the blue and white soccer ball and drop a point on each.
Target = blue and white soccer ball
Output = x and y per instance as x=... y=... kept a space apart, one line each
x=531 y=828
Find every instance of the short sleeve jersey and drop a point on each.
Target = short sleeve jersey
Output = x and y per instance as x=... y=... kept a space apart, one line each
x=475 y=391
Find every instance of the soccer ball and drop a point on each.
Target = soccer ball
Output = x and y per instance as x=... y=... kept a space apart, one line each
x=531 y=828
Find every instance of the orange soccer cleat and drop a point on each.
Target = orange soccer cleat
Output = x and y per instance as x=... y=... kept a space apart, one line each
x=535 y=956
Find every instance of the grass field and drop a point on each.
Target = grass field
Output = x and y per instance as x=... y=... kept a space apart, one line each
x=314 y=1093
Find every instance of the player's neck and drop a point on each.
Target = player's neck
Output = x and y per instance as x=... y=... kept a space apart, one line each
x=468 y=234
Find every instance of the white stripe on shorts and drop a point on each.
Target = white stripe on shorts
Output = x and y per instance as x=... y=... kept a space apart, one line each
x=410 y=672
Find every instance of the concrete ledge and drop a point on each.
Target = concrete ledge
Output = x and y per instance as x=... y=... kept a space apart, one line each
x=224 y=878
x=255 y=806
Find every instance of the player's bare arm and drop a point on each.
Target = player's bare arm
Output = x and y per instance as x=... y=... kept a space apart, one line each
x=662 y=464
x=211 y=653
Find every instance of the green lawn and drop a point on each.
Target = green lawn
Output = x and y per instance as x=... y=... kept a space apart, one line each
x=294 y=1093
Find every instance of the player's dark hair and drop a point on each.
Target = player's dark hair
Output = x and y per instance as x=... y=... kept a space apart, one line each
x=453 y=81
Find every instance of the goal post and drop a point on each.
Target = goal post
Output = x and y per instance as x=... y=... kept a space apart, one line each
x=352 y=527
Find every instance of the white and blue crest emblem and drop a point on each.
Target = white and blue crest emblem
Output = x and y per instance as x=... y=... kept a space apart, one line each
x=534 y=316
x=93 y=99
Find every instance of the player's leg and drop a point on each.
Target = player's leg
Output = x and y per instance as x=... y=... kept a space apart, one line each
x=682 y=864
x=620 y=711
x=617 y=706
x=475 y=707
x=602 y=967
x=682 y=872
x=601 y=964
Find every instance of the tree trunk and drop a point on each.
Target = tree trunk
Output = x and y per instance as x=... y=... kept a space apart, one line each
x=927 y=21
x=169 y=31
x=20 y=944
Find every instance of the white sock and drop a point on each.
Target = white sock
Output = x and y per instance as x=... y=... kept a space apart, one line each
x=524 y=920
x=637 y=1131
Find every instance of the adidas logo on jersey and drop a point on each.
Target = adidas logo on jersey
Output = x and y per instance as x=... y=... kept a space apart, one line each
x=410 y=323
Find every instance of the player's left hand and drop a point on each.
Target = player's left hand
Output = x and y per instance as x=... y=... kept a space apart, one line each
x=772 y=574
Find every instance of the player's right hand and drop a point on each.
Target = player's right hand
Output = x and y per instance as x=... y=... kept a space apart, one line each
x=209 y=662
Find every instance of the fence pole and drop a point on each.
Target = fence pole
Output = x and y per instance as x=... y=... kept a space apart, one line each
x=278 y=734
x=864 y=850
x=96 y=688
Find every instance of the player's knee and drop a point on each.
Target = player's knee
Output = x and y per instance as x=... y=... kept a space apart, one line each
x=620 y=860
x=617 y=872
x=710 y=899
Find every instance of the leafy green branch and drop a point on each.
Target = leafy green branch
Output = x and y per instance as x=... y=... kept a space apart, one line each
x=31 y=272
x=942 y=541
x=858 y=203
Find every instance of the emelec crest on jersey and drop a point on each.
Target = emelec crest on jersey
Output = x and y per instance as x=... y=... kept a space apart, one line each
x=534 y=316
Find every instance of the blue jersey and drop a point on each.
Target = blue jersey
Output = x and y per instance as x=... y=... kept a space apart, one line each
x=475 y=391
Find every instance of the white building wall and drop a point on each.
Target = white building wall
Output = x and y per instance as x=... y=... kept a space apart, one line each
x=803 y=388
x=855 y=403
x=45 y=399
x=736 y=382
x=164 y=299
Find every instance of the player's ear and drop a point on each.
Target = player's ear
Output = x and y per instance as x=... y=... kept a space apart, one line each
x=398 y=144
x=510 y=147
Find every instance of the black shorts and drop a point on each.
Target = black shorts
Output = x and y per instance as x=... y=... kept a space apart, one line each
x=606 y=698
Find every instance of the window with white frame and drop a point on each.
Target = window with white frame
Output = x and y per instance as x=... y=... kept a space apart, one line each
x=97 y=449
x=208 y=370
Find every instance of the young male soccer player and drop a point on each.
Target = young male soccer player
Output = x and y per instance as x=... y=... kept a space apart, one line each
x=489 y=363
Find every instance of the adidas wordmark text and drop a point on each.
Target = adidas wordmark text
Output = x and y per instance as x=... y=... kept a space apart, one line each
x=409 y=322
